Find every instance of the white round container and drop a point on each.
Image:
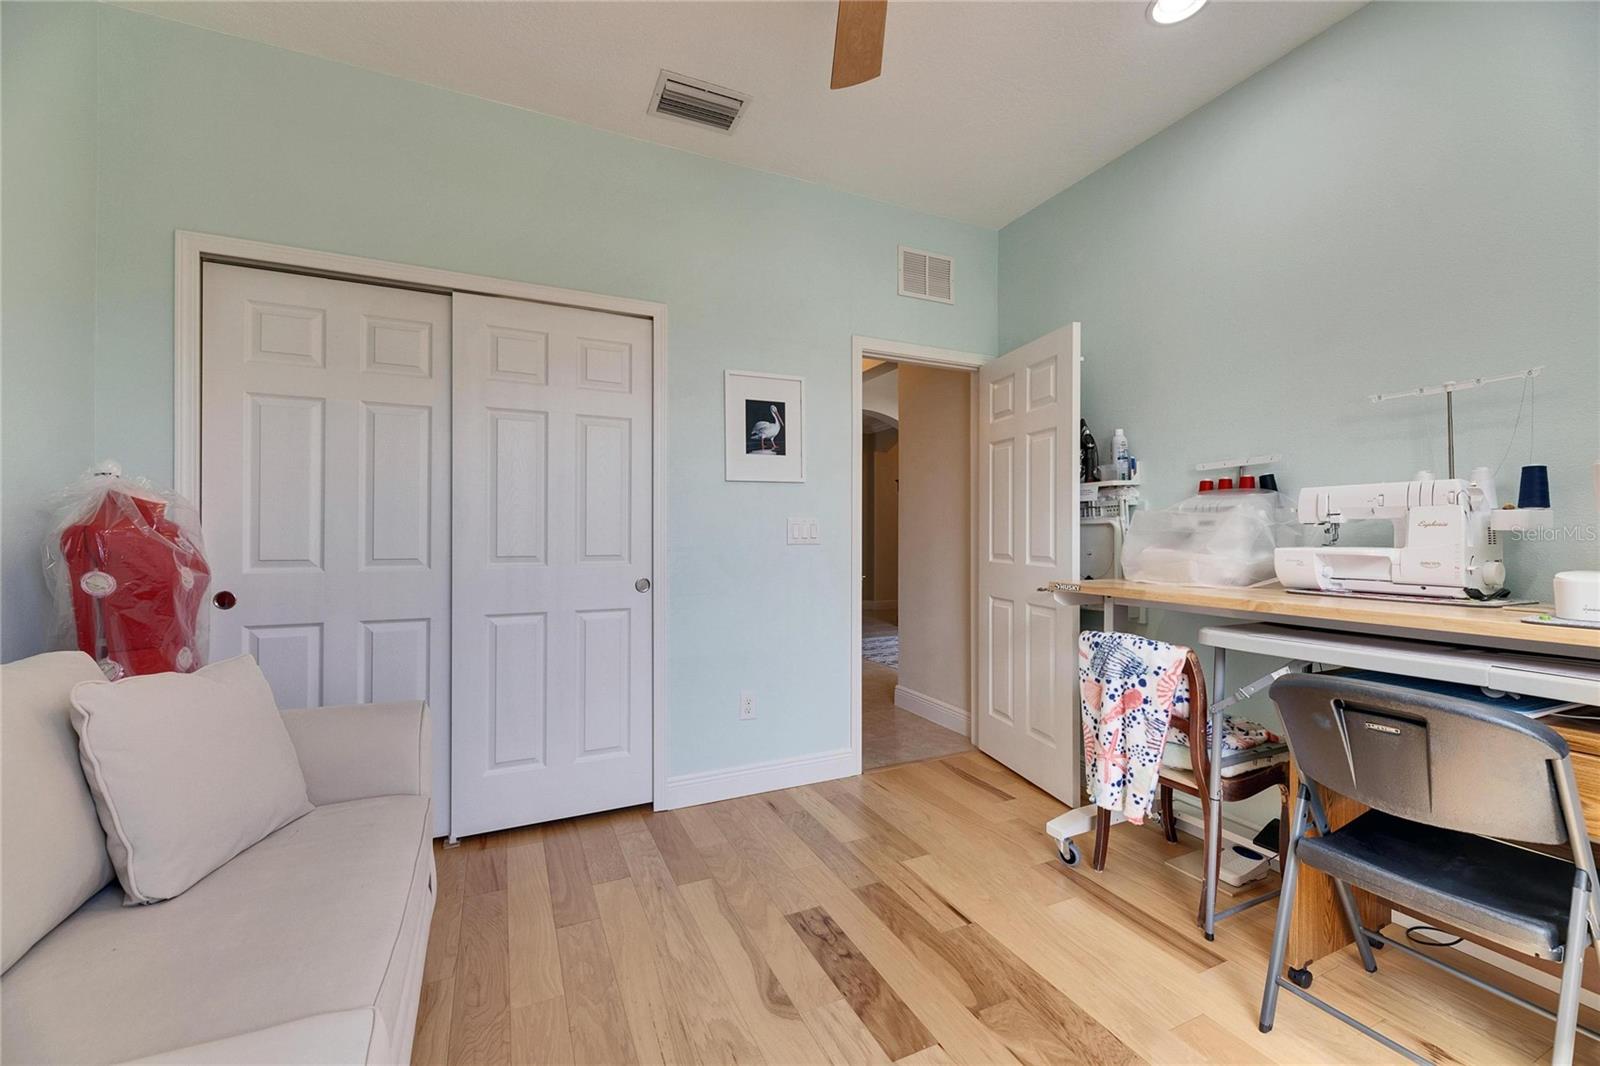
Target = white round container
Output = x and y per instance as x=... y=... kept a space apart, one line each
x=1578 y=595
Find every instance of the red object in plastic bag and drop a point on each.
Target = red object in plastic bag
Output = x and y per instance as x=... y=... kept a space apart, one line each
x=137 y=583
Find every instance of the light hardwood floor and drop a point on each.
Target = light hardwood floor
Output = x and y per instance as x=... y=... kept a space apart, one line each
x=914 y=915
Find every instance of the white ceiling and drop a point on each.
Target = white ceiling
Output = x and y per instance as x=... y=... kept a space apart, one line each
x=984 y=110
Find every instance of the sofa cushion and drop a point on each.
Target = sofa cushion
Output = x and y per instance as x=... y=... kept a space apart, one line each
x=187 y=770
x=328 y=914
x=54 y=850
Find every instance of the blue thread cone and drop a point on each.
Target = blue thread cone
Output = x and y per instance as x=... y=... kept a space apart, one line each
x=1535 y=488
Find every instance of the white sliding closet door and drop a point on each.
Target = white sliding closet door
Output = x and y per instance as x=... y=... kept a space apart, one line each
x=1027 y=535
x=325 y=487
x=551 y=617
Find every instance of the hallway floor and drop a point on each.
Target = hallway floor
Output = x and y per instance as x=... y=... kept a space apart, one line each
x=889 y=735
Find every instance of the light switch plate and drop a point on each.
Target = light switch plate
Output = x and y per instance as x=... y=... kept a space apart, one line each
x=804 y=531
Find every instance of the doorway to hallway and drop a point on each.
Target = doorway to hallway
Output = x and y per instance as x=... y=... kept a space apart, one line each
x=915 y=538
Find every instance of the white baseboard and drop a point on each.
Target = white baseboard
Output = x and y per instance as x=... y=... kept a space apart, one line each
x=880 y=605
x=709 y=786
x=936 y=711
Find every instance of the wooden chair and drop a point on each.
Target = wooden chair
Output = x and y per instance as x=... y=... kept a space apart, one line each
x=1192 y=782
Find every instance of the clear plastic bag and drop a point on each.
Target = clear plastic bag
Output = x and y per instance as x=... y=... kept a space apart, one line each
x=1216 y=539
x=128 y=573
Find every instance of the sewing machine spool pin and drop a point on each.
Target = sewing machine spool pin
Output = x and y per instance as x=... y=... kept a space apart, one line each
x=1450 y=388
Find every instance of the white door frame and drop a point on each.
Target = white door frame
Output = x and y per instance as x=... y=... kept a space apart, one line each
x=194 y=249
x=922 y=355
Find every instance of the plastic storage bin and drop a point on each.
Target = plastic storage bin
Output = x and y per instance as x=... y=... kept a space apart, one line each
x=1218 y=539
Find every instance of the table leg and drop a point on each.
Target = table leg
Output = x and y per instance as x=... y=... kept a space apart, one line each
x=1214 y=788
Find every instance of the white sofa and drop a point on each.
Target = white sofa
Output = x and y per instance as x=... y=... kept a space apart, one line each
x=308 y=947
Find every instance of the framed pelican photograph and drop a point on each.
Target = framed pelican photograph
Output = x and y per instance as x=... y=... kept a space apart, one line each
x=765 y=426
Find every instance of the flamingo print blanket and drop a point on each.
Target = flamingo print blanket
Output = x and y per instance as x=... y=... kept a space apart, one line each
x=1132 y=687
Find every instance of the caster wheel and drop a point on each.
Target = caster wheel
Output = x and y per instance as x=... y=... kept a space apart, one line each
x=1069 y=852
x=1301 y=977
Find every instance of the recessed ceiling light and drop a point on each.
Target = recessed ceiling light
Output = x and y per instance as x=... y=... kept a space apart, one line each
x=1166 y=12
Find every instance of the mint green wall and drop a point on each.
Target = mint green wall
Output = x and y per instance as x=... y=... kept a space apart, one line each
x=47 y=189
x=1410 y=197
x=206 y=132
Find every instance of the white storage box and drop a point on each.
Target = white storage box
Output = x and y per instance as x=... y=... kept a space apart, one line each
x=1223 y=538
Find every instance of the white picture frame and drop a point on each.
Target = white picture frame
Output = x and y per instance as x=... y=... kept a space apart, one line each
x=764 y=426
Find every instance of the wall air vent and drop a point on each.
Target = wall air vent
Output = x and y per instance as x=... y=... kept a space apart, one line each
x=696 y=101
x=926 y=275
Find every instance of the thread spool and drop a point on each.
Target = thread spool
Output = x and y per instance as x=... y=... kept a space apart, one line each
x=1535 y=488
x=1483 y=477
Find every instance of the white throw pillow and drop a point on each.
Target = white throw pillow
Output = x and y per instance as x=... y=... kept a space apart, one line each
x=187 y=771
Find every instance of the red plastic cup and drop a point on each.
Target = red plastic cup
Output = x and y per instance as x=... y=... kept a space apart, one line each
x=1248 y=481
x=1225 y=484
x=1207 y=485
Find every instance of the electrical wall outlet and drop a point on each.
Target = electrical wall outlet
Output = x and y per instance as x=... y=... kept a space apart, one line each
x=747 y=706
x=804 y=531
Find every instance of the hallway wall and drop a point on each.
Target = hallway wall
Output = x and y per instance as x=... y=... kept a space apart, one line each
x=880 y=510
x=935 y=534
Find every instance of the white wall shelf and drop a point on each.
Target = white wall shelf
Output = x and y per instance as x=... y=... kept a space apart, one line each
x=1236 y=464
x=1521 y=519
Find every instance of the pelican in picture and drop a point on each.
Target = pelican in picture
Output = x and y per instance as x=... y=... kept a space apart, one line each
x=765 y=434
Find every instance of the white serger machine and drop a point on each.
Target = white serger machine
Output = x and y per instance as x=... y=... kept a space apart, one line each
x=1444 y=547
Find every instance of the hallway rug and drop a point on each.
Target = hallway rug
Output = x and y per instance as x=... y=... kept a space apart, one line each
x=882 y=650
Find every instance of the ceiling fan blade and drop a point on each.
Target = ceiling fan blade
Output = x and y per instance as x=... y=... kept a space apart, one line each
x=858 y=42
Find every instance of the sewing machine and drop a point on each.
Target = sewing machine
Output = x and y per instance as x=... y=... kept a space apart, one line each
x=1444 y=547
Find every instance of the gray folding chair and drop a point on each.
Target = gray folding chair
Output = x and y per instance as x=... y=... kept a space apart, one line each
x=1448 y=780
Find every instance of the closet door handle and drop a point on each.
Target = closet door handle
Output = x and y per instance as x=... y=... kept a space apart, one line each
x=224 y=600
x=642 y=585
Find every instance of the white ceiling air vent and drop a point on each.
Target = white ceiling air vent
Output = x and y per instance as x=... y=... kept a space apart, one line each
x=926 y=275
x=696 y=101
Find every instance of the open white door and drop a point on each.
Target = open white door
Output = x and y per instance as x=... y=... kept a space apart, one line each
x=551 y=610
x=1028 y=534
